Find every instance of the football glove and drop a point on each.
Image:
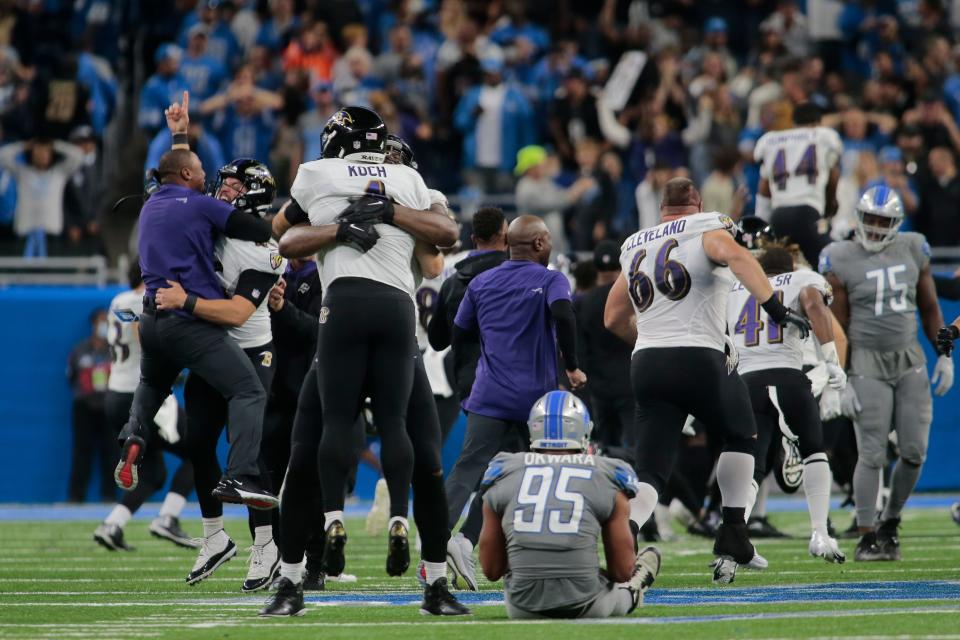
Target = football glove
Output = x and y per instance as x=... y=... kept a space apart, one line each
x=836 y=376
x=361 y=237
x=942 y=375
x=785 y=317
x=946 y=336
x=850 y=403
x=368 y=210
x=830 y=404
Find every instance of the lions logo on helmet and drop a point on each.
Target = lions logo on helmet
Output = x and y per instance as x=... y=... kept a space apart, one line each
x=559 y=420
x=879 y=216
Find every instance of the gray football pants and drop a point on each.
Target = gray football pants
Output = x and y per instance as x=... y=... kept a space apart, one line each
x=617 y=601
x=906 y=406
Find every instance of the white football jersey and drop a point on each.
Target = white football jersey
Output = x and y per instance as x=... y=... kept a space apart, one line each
x=797 y=162
x=235 y=257
x=763 y=344
x=323 y=188
x=679 y=295
x=125 y=311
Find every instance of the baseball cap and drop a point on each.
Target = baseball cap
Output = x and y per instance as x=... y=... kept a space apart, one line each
x=529 y=157
x=606 y=256
x=167 y=51
x=890 y=154
x=491 y=65
x=199 y=29
x=715 y=24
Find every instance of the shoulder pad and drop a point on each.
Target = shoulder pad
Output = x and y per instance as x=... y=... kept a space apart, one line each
x=495 y=470
x=623 y=477
x=824 y=264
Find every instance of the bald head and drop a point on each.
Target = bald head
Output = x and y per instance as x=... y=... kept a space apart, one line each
x=529 y=239
x=182 y=167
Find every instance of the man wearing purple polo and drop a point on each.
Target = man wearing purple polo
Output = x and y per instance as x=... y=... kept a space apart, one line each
x=522 y=312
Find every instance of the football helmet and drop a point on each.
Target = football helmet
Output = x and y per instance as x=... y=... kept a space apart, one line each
x=753 y=232
x=559 y=420
x=259 y=186
x=879 y=216
x=399 y=152
x=355 y=133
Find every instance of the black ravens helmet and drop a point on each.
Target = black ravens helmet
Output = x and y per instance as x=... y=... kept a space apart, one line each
x=259 y=186
x=399 y=152
x=754 y=231
x=355 y=133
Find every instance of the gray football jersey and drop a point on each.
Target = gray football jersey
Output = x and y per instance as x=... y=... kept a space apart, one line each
x=552 y=509
x=881 y=289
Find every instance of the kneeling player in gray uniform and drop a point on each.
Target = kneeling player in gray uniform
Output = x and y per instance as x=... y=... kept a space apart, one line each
x=543 y=512
x=880 y=280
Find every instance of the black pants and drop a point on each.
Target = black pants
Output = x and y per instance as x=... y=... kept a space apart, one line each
x=93 y=440
x=613 y=418
x=671 y=383
x=800 y=411
x=448 y=410
x=207 y=413
x=170 y=344
x=366 y=348
x=800 y=225
x=153 y=470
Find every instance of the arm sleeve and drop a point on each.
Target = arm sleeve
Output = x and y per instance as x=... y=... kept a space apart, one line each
x=243 y=226
x=438 y=331
x=466 y=315
x=562 y=311
x=255 y=285
x=297 y=322
x=295 y=213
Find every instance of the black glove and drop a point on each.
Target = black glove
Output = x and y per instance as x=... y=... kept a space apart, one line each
x=785 y=317
x=368 y=210
x=945 y=339
x=361 y=237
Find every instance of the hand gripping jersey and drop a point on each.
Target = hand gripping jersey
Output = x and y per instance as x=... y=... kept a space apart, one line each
x=763 y=344
x=552 y=510
x=125 y=310
x=234 y=257
x=797 y=162
x=881 y=289
x=678 y=293
x=323 y=188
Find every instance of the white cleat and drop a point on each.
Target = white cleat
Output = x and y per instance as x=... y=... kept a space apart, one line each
x=645 y=571
x=460 y=561
x=823 y=546
x=724 y=570
x=757 y=563
x=214 y=551
x=379 y=513
x=264 y=566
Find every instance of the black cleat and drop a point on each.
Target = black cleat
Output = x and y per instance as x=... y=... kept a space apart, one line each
x=438 y=601
x=887 y=538
x=869 y=549
x=852 y=532
x=110 y=536
x=702 y=528
x=650 y=531
x=286 y=601
x=336 y=539
x=210 y=558
x=760 y=527
x=831 y=531
x=314 y=581
x=732 y=548
x=126 y=475
x=398 y=550
x=168 y=528
x=244 y=490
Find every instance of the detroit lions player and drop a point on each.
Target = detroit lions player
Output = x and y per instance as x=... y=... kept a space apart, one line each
x=880 y=280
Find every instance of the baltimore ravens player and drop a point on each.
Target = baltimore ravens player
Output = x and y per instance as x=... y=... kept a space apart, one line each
x=544 y=512
x=247 y=271
x=771 y=363
x=880 y=280
x=671 y=302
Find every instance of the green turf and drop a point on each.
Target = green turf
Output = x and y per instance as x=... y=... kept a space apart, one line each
x=55 y=582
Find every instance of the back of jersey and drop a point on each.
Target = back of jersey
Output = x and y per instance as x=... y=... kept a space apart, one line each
x=763 y=344
x=797 y=163
x=125 y=310
x=324 y=188
x=678 y=293
x=881 y=289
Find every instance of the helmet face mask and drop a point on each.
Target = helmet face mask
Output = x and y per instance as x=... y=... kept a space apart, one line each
x=247 y=184
x=879 y=216
x=559 y=421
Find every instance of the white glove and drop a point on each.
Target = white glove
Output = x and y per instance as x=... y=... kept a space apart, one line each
x=836 y=377
x=733 y=358
x=850 y=403
x=942 y=373
x=830 y=404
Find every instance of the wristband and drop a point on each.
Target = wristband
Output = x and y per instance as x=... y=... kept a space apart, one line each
x=829 y=352
x=774 y=308
x=190 y=303
x=181 y=138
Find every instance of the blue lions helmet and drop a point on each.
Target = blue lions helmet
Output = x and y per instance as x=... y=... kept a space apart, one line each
x=559 y=420
x=879 y=216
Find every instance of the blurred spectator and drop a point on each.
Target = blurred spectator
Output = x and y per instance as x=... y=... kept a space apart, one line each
x=934 y=121
x=203 y=73
x=648 y=194
x=714 y=42
x=356 y=82
x=496 y=120
x=312 y=51
x=222 y=44
x=277 y=30
x=860 y=131
x=892 y=175
x=41 y=169
x=400 y=45
x=938 y=217
x=849 y=189
x=573 y=115
x=85 y=195
x=161 y=89
x=96 y=76
x=792 y=27
x=204 y=144
x=624 y=219
x=592 y=211
x=311 y=123
x=88 y=369
x=243 y=117
x=720 y=190
x=716 y=126
x=458 y=63
x=514 y=25
x=861 y=23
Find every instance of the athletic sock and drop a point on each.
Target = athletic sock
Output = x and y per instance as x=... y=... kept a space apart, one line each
x=262 y=535
x=904 y=479
x=173 y=504
x=734 y=473
x=211 y=526
x=330 y=516
x=866 y=487
x=399 y=519
x=435 y=571
x=760 y=506
x=816 y=485
x=292 y=571
x=643 y=504
x=119 y=516
x=751 y=499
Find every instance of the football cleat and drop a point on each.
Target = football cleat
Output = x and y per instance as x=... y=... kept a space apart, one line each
x=732 y=547
x=314 y=581
x=757 y=563
x=346 y=578
x=645 y=572
x=264 y=566
x=760 y=527
x=460 y=561
x=650 y=532
x=244 y=490
x=286 y=600
x=724 y=570
x=126 y=475
x=168 y=528
x=214 y=551
x=823 y=546
x=110 y=536
x=955 y=512
x=869 y=549
x=398 y=550
x=336 y=540
x=852 y=532
x=379 y=514
x=438 y=601
x=888 y=539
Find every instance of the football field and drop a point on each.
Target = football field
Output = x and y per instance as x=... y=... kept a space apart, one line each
x=56 y=583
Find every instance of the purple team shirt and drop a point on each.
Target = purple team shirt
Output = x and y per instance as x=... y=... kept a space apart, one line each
x=178 y=227
x=510 y=305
